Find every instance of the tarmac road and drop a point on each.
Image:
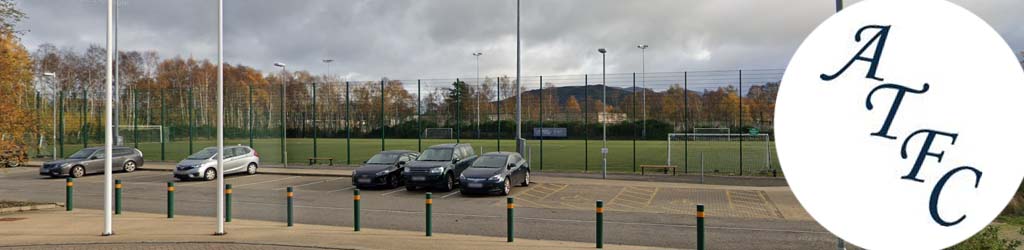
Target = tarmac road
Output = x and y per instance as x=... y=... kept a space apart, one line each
x=552 y=208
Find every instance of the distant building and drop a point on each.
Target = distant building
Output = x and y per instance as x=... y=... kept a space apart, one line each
x=605 y=117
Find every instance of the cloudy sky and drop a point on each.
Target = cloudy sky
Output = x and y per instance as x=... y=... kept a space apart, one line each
x=407 y=39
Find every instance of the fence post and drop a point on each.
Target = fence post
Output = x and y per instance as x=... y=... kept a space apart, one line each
x=541 y=123
x=170 y=200
x=284 y=133
x=458 y=111
x=291 y=195
x=382 y=115
x=419 y=122
x=634 y=120
x=355 y=209
x=85 y=122
x=117 y=196
x=739 y=94
x=191 y=121
x=135 y=117
x=69 y=194
x=251 y=144
x=227 y=202
x=348 y=127
x=428 y=204
x=511 y=222
x=600 y=224
x=586 y=129
x=60 y=135
x=163 y=124
x=700 y=226
x=314 y=120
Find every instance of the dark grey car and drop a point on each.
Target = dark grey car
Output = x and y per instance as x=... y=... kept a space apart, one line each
x=383 y=169
x=90 y=160
x=495 y=172
x=439 y=166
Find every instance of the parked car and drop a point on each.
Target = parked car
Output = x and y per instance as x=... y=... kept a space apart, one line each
x=495 y=172
x=203 y=164
x=439 y=166
x=90 y=160
x=383 y=169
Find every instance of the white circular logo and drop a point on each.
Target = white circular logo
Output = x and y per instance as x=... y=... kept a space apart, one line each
x=898 y=124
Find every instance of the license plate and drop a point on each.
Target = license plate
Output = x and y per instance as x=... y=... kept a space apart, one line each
x=419 y=178
x=476 y=185
x=364 y=180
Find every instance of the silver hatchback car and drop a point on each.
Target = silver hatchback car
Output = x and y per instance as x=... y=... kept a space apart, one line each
x=203 y=164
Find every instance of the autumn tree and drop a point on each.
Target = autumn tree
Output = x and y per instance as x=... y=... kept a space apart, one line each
x=15 y=86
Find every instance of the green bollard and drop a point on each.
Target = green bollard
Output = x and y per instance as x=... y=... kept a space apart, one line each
x=511 y=228
x=117 y=196
x=600 y=224
x=170 y=200
x=355 y=209
x=69 y=193
x=227 y=203
x=700 y=226
x=291 y=196
x=429 y=203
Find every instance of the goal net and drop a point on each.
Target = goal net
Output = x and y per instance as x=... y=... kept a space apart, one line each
x=141 y=134
x=437 y=133
x=720 y=152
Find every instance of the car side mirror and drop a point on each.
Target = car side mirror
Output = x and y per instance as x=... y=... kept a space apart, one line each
x=93 y=157
x=511 y=165
x=401 y=163
x=456 y=160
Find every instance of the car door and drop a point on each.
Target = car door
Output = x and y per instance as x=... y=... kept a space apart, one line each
x=515 y=174
x=232 y=159
x=94 y=164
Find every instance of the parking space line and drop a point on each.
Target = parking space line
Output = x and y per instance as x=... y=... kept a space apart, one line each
x=450 y=194
x=388 y=193
x=267 y=181
x=141 y=176
x=343 y=189
x=311 y=183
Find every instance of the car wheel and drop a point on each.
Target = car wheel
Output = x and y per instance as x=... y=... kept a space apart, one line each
x=129 y=166
x=210 y=174
x=526 y=179
x=77 y=172
x=449 y=185
x=410 y=188
x=251 y=169
x=507 y=189
x=392 y=181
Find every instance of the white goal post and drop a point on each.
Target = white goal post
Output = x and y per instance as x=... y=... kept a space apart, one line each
x=714 y=141
x=438 y=133
x=147 y=133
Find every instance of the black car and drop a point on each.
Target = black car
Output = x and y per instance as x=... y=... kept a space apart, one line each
x=495 y=172
x=383 y=169
x=439 y=166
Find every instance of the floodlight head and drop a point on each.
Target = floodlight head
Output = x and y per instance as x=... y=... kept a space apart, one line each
x=277 y=64
x=50 y=74
x=642 y=46
x=602 y=50
x=478 y=53
x=328 y=60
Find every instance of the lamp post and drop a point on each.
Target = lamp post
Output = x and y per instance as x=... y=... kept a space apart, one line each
x=53 y=83
x=220 y=119
x=604 y=122
x=519 y=99
x=479 y=87
x=108 y=137
x=643 y=84
x=284 y=114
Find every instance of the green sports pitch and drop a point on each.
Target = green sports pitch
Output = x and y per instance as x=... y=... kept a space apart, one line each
x=723 y=157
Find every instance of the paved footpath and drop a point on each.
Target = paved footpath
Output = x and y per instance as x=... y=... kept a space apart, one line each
x=80 y=229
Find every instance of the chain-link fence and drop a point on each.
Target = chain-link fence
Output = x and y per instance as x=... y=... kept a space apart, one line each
x=718 y=121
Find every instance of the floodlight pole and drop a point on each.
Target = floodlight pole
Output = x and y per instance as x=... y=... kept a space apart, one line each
x=108 y=227
x=220 y=118
x=479 y=87
x=604 y=122
x=315 y=126
x=643 y=84
x=519 y=99
x=284 y=114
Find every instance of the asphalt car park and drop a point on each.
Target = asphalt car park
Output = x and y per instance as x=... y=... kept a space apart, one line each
x=638 y=213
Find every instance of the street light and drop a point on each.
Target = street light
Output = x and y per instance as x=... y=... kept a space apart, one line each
x=220 y=119
x=643 y=85
x=51 y=76
x=604 y=123
x=478 y=91
x=284 y=114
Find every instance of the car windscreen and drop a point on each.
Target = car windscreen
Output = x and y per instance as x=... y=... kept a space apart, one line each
x=204 y=154
x=82 y=154
x=490 y=161
x=383 y=159
x=436 y=154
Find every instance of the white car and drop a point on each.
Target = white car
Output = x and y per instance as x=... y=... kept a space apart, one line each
x=203 y=164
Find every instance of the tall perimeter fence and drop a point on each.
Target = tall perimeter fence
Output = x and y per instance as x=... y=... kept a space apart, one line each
x=711 y=121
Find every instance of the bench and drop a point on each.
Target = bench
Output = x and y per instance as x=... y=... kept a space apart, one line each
x=662 y=167
x=314 y=160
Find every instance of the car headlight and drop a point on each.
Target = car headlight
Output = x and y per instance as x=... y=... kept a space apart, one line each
x=462 y=176
x=406 y=170
x=497 y=178
x=382 y=173
x=437 y=170
x=63 y=165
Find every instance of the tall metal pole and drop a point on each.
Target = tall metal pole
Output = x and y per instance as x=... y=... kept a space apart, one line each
x=519 y=99
x=220 y=118
x=643 y=84
x=586 y=126
x=108 y=176
x=498 y=104
x=419 y=122
x=604 y=123
x=541 y=136
x=382 y=114
x=479 y=87
x=458 y=110
x=284 y=113
x=348 y=127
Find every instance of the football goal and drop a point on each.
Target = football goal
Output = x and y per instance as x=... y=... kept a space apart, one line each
x=141 y=133
x=720 y=152
x=437 y=133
